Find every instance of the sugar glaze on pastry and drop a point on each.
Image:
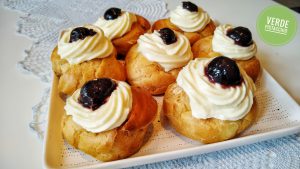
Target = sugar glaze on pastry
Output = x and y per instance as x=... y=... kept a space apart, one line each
x=211 y=100
x=223 y=44
x=91 y=47
x=169 y=56
x=110 y=115
x=117 y=27
x=189 y=21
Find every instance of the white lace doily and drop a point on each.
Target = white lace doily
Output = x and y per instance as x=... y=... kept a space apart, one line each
x=42 y=21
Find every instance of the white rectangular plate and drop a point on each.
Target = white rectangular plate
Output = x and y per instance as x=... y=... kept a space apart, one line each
x=279 y=116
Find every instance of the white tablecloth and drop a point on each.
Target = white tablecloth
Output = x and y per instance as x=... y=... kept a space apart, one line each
x=43 y=20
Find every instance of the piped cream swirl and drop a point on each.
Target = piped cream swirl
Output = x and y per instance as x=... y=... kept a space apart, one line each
x=117 y=27
x=170 y=56
x=189 y=21
x=91 y=47
x=211 y=100
x=110 y=115
x=223 y=44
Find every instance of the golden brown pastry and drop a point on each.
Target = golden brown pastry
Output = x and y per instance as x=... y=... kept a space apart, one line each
x=123 y=28
x=221 y=44
x=85 y=58
x=212 y=101
x=190 y=20
x=154 y=62
x=114 y=137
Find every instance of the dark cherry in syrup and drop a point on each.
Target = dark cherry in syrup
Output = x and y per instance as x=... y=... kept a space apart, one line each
x=80 y=33
x=189 y=6
x=167 y=35
x=241 y=36
x=94 y=93
x=121 y=57
x=112 y=13
x=224 y=71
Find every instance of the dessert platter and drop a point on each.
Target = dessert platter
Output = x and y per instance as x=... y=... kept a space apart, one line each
x=127 y=93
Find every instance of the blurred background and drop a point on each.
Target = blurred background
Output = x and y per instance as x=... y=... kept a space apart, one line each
x=293 y=4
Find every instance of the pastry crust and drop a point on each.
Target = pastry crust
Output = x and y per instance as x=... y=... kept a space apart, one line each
x=203 y=49
x=72 y=77
x=178 y=112
x=147 y=74
x=192 y=36
x=124 y=43
x=120 y=142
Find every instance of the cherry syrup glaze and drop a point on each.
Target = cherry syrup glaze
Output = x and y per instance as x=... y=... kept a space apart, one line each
x=224 y=71
x=189 y=6
x=241 y=36
x=80 y=33
x=94 y=93
x=167 y=35
x=112 y=13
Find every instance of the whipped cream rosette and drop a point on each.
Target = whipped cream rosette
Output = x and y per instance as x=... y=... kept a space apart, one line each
x=224 y=44
x=110 y=113
x=189 y=21
x=88 y=46
x=117 y=27
x=211 y=99
x=169 y=56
